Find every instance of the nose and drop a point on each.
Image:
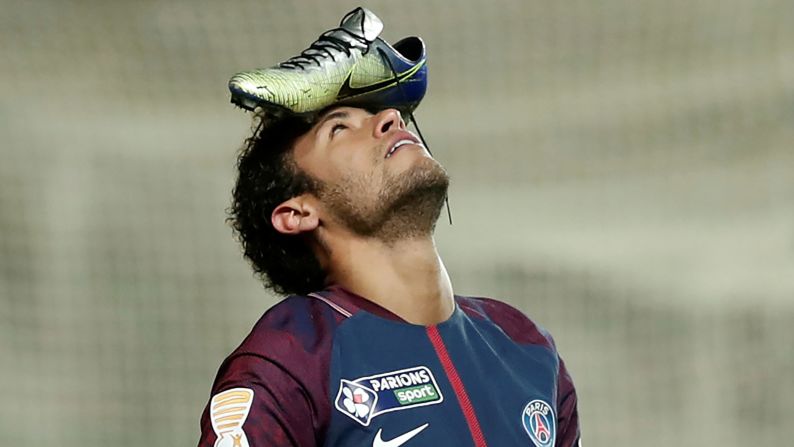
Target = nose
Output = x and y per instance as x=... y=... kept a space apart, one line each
x=387 y=120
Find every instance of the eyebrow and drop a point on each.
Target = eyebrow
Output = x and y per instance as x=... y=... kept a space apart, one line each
x=335 y=114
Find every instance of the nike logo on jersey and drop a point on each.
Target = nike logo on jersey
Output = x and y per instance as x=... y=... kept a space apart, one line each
x=399 y=440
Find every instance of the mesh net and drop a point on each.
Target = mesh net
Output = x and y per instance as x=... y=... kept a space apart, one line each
x=621 y=172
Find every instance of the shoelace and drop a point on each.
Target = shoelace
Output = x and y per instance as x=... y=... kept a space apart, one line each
x=322 y=48
x=325 y=43
x=412 y=119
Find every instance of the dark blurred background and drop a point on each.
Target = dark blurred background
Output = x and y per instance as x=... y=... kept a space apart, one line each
x=622 y=172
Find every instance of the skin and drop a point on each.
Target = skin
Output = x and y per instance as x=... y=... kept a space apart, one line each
x=371 y=224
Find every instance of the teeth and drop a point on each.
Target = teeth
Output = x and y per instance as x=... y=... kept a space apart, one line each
x=397 y=145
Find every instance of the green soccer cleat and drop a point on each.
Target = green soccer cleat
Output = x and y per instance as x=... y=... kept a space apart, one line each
x=349 y=65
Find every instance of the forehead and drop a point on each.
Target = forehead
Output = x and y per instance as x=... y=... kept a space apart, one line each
x=334 y=112
x=305 y=143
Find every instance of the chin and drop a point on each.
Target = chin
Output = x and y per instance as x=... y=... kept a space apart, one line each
x=422 y=186
x=417 y=163
x=413 y=206
x=407 y=203
x=423 y=172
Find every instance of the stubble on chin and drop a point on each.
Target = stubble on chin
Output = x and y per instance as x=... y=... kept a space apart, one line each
x=406 y=205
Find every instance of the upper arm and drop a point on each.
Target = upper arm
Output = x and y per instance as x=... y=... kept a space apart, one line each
x=257 y=403
x=568 y=434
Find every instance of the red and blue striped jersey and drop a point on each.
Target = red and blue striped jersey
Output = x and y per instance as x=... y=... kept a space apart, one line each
x=335 y=369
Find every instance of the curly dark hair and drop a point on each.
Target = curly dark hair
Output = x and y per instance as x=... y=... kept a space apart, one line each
x=267 y=176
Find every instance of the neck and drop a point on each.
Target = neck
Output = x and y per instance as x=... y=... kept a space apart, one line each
x=406 y=277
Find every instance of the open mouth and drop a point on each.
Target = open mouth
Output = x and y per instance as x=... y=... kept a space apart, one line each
x=403 y=139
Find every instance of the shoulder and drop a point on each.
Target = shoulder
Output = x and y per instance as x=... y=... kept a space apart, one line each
x=279 y=372
x=513 y=322
x=296 y=332
x=296 y=325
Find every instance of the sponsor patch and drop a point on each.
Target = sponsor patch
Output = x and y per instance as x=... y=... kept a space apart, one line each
x=228 y=411
x=539 y=422
x=367 y=397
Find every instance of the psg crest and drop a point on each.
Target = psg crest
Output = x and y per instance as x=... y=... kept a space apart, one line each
x=539 y=422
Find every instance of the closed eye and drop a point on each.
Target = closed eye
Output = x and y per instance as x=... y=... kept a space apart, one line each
x=338 y=127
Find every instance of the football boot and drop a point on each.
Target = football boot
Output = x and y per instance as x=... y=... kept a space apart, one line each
x=348 y=65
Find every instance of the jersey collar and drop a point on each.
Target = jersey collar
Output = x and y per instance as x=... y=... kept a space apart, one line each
x=353 y=303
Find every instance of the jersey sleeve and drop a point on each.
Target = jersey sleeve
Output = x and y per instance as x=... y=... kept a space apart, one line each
x=257 y=403
x=568 y=434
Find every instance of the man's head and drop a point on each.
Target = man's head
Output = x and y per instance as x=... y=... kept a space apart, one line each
x=349 y=174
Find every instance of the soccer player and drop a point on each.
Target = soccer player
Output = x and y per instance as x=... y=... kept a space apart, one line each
x=372 y=347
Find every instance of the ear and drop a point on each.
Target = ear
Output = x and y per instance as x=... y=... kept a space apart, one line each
x=294 y=216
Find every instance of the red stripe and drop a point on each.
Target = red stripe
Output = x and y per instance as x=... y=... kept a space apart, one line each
x=457 y=385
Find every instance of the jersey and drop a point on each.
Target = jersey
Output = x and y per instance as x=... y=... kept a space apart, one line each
x=335 y=369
